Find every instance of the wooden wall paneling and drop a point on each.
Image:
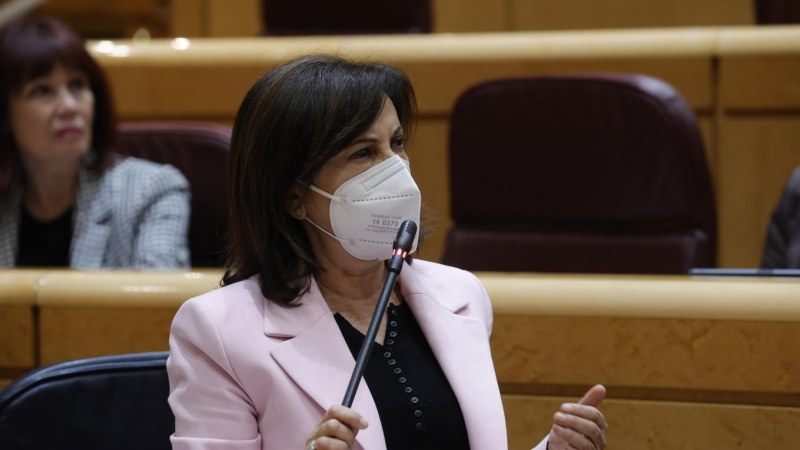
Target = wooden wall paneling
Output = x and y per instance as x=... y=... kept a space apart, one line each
x=470 y=16
x=757 y=357
x=215 y=18
x=757 y=154
x=759 y=71
x=182 y=91
x=82 y=315
x=766 y=83
x=17 y=321
x=188 y=18
x=591 y=14
x=119 y=19
x=240 y=18
x=68 y=333
x=17 y=337
x=652 y=425
x=441 y=66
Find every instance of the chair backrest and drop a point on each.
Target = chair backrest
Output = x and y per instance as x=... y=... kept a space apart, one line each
x=200 y=151
x=774 y=12
x=594 y=173
x=114 y=402
x=317 y=17
x=782 y=246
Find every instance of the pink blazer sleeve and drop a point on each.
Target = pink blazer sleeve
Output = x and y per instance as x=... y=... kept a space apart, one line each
x=212 y=411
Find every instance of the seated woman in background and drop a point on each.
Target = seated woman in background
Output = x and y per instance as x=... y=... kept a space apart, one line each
x=782 y=247
x=318 y=164
x=65 y=198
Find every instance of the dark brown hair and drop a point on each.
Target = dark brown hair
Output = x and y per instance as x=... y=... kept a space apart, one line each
x=293 y=120
x=31 y=48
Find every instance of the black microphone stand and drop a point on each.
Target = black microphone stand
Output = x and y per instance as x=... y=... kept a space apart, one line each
x=402 y=245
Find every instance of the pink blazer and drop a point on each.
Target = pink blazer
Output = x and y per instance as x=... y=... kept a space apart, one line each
x=245 y=373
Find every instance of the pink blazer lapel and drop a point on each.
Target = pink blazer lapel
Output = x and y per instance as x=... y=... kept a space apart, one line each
x=317 y=358
x=461 y=346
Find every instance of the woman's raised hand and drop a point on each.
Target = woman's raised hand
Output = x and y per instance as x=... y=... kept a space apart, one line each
x=580 y=426
x=337 y=430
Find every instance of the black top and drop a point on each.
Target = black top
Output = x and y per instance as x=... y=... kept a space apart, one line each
x=44 y=244
x=415 y=402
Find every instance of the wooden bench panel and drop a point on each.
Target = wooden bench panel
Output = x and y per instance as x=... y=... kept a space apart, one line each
x=649 y=425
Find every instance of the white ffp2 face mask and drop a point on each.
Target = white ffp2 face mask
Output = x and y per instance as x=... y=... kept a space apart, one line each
x=367 y=210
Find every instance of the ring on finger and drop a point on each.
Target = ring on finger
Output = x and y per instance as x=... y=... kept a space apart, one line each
x=313 y=445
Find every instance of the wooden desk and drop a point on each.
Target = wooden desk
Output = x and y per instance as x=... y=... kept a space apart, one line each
x=86 y=314
x=690 y=363
x=17 y=323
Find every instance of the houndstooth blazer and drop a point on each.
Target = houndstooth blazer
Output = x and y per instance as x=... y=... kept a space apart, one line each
x=135 y=215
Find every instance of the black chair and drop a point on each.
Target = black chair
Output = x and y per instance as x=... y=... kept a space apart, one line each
x=320 y=17
x=777 y=12
x=112 y=402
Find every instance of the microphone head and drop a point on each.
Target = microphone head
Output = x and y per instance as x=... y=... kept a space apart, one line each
x=405 y=236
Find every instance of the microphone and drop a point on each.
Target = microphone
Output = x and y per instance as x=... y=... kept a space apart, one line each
x=400 y=247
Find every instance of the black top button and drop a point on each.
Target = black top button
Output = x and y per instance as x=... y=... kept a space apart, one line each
x=387 y=355
x=392 y=362
x=393 y=334
x=393 y=323
x=419 y=427
x=390 y=342
x=418 y=413
x=402 y=379
x=394 y=312
x=397 y=370
x=414 y=400
x=408 y=390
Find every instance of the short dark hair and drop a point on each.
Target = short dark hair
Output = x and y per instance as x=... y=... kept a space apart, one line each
x=30 y=48
x=290 y=123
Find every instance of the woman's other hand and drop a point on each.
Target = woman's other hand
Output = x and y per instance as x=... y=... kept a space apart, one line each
x=580 y=426
x=337 y=430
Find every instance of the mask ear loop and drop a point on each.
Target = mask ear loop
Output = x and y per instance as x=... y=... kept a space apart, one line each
x=325 y=231
x=324 y=194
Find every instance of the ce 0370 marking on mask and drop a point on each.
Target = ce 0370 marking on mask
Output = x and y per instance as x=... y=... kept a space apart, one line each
x=367 y=210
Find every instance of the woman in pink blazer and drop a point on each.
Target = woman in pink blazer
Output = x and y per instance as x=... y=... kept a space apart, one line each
x=319 y=182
